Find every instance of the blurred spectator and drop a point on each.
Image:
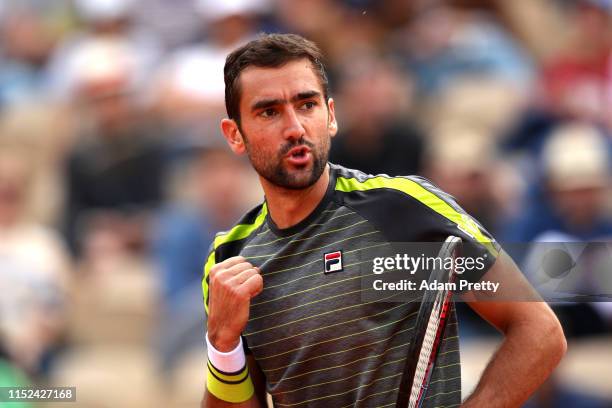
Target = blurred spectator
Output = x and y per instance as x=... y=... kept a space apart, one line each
x=216 y=192
x=489 y=106
x=12 y=376
x=572 y=206
x=317 y=20
x=183 y=27
x=577 y=80
x=114 y=172
x=576 y=162
x=444 y=43
x=465 y=164
x=376 y=133
x=392 y=13
x=190 y=86
x=575 y=84
x=34 y=272
x=25 y=45
x=573 y=197
x=530 y=21
x=44 y=131
x=104 y=20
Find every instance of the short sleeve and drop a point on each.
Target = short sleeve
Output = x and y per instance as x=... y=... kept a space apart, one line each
x=412 y=210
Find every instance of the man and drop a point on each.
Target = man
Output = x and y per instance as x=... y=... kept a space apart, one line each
x=310 y=339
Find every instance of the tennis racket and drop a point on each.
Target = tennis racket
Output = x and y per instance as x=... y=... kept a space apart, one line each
x=429 y=331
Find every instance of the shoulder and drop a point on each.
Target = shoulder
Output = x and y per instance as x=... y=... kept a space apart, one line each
x=406 y=187
x=228 y=243
x=383 y=199
x=407 y=208
x=381 y=191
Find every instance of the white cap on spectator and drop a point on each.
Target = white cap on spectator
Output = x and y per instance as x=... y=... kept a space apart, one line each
x=102 y=10
x=213 y=10
x=576 y=156
x=461 y=149
x=103 y=60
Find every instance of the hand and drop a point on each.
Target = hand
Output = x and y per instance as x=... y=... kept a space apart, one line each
x=232 y=285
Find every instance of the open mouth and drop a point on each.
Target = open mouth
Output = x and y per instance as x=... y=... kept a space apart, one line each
x=299 y=155
x=298 y=152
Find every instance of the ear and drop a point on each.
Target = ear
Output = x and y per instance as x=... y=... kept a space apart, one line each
x=232 y=135
x=332 y=124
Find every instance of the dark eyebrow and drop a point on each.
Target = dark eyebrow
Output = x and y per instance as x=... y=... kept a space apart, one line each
x=266 y=103
x=305 y=95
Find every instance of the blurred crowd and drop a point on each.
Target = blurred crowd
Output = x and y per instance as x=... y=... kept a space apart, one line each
x=114 y=176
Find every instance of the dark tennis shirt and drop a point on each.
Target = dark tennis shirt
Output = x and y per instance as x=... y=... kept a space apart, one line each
x=318 y=343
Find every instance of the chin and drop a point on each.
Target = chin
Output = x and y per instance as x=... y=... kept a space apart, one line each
x=297 y=180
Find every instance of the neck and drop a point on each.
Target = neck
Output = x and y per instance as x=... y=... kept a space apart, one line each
x=288 y=207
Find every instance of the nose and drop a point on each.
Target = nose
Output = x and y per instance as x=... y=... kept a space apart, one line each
x=293 y=129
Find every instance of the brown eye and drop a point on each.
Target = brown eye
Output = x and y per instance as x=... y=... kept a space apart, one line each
x=309 y=105
x=268 y=113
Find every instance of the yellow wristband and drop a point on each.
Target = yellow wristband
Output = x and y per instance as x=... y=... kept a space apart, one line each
x=230 y=387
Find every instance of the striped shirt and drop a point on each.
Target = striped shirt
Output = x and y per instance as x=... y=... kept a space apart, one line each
x=318 y=343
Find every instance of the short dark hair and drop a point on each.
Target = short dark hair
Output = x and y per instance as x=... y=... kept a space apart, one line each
x=269 y=51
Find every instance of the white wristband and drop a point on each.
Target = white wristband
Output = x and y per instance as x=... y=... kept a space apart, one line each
x=230 y=361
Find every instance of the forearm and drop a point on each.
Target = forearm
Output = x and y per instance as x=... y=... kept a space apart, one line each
x=529 y=353
x=233 y=379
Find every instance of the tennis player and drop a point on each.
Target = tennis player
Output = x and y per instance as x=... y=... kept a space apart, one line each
x=282 y=288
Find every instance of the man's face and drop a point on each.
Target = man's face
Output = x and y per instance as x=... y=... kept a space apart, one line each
x=286 y=124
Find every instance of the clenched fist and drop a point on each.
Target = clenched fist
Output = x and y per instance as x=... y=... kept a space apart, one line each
x=231 y=286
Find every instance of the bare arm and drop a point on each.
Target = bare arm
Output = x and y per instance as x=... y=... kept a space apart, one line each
x=534 y=341
x=232 y=285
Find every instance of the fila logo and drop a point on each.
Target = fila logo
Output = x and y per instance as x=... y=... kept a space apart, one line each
x=333 y=261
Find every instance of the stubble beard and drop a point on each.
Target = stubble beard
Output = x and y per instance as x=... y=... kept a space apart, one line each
x=276 y=171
